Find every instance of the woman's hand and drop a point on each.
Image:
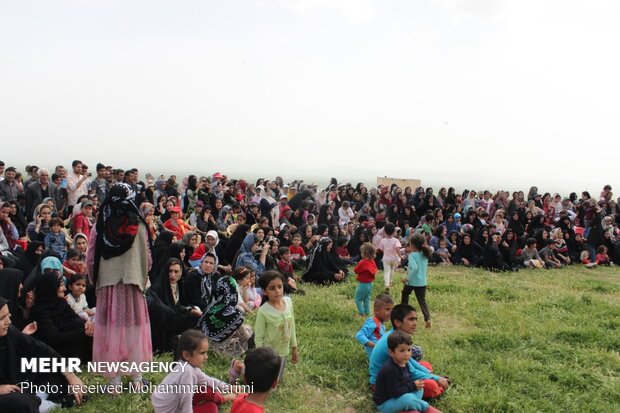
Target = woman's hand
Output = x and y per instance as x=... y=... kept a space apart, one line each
x=30 y=329
x=195 y=312
x=419 y=384
x=77 y=386
x=9 y=388
x=29 y=300
x=89 y=328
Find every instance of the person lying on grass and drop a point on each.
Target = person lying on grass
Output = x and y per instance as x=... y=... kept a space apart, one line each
x=404 y=318
x=396 y=390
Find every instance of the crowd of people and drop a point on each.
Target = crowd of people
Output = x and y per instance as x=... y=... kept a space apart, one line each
x=115 y=268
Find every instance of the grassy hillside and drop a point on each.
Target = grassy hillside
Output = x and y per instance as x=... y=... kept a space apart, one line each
x=515 y=342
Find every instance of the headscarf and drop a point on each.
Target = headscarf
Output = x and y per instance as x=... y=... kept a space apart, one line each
x=47 y=303
x=208 y=281
x=162 y=288
x=117 y=225
x=246 y=256
x=30 y=258
x=318 y=250
x=51 y=263
x=10 y=279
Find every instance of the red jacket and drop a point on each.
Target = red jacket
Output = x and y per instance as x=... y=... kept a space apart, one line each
x=366 y=270
x=81 y=224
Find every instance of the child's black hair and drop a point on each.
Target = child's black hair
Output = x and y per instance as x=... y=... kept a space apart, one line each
x=262 y=366
x=283 y=250
x=269 y=276
x=400 y=311
x=342 y=241
x=601 y=249
x=241 y=272
x=72 y=253
x=188 y=341
x=389 y=228
x=76 y=277
x=530 y=241
x=419 y=242
x=56 y=221
x=382 y=300
x=397 y=338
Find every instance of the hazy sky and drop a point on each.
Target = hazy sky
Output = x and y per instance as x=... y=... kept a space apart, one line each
x=473 y=93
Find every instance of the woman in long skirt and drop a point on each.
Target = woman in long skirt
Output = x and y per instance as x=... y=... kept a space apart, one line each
x=119 y=260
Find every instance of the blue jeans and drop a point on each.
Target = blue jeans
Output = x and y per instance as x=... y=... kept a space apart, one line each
x=408 y=401
x=362 y=298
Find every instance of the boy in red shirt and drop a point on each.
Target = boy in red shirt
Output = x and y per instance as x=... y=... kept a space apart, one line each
x=298 y=255
x=285 y=266
x=263 y=367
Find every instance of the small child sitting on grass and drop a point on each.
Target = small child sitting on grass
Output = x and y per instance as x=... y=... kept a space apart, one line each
x=404 y=318
x=262 y=371
x=396 y=390
x=374 y=328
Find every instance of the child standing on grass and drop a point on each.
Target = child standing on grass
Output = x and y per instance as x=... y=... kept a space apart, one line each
x=191 y=351
x=416 y=274
x=391 y=254
x=374 y=328
x=262 y=370
x=396 y=390
x=275 y=321
x=366 y=270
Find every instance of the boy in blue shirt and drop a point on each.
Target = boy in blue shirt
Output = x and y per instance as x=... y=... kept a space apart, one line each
x=374 y=328
x=404 y=318
x=396 y=390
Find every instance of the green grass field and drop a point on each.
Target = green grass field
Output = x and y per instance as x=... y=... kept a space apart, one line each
x=533 y=341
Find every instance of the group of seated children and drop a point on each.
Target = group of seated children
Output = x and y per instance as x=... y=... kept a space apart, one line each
x=400 y=382
x=262 y=368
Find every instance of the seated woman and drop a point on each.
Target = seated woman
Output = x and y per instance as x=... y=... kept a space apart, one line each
x=31 y=257
x=39 y=227
x=251 y=245
x=11 y=288
x=200 y=282
x=508 y=247
x=14 y=345
x=57 y=324
x=222 y=321
x=169 y=288
x=468 y=252
x=321 y=267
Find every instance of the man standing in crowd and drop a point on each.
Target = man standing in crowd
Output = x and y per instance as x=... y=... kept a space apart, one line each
x=39 y=190
x=100 y=185
x=76 y=185
x=9 y=187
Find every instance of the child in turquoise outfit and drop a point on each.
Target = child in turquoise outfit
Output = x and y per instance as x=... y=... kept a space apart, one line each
x=416 y=275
